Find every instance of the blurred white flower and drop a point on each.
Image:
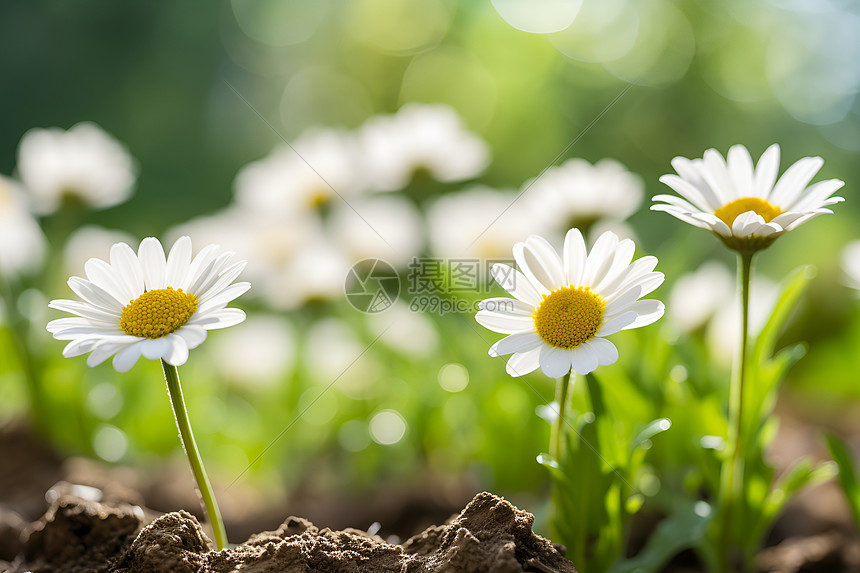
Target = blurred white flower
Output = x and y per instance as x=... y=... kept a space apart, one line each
x=420 y=137
x=579 y=194
x=22 y=244
x=83 y=162
x=91 y=241
x=320 y=166
x=261 y=351
x=386 y=227
x=411 y=333
x=477 y=223
x=707 y=299
x=851 y=264
x=695 y=297
x=331 y=349
x=293 y=261
x=316 y=271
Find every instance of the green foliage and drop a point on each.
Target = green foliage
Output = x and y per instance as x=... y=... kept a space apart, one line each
x=844 y=458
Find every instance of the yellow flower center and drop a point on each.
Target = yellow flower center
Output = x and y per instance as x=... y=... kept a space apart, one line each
x=729 y=212
x=157 y=313
x=569 y=316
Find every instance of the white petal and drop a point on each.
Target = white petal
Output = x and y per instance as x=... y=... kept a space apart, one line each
x=637 y=273
x=94 y=294
x=522 y=363
x=539 y=262
x=199 y=265
x=700 y=197
x=127 y=268
x=127 y=357
x=154 y=349
x=677 y=213
x=210 y=275
x=604 y=350
x=583 y=359
x=555 y=362
x=714 y=223
x=766 y=171
x=102 y=274
x=600 y=259
x=507 y=306
x=575 y=255
x=516 y=284
x=178 y=262
x=178 y=350
x=794 y=181
x=620 y=263
x=680 y=203
x=228 y=276
x=648 y=311
x=225 y=296
x=504 y=323
x=221 y=318
x=617 y=323
x=518 y=342
x=716 y=173
x=194 y=335
x=153 y=263
x=620 y=300
x=102 y=353
x=80 y=346
x=748 y=224
x=815 y=194
x=787 y=218
x=86 y=310
x=741 y=169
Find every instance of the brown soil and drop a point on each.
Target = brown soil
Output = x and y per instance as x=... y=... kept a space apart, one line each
x=79 y=535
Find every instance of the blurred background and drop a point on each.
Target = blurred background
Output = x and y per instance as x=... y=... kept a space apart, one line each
x=309 y=136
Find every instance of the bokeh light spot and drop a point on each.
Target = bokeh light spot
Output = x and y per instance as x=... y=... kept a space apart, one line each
x=453 y=377
x=387 y=427
x=110 y=443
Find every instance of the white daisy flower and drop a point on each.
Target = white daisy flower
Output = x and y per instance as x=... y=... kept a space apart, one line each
x=22 y=244
x=146 y=304
x=476 y=223
x=746 y=206
x=579 y=194
x=851 y=264
x=298 y=180
x=563 y=307
x=388 y=227
x=420 y=137
x=83 y=162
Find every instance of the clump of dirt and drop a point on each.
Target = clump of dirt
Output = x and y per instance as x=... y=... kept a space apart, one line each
x=79 y=534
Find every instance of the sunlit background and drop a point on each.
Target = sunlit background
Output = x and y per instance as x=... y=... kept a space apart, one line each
x=308 y=136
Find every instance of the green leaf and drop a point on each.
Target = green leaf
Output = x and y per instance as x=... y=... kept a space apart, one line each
x=844 y=458
x=682 y=529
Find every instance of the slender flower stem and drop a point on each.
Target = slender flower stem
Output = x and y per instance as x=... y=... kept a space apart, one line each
x=174 y=390
x=732 y=480
x=557 y=430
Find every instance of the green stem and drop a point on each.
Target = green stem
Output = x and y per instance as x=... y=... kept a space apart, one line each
x=731 y=483
x=557 y=429
x=174 y=390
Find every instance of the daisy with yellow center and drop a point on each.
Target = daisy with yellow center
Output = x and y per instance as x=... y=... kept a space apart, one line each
x=563 y=307
x=746 y=206
x=148 y=304
x=159 y=307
